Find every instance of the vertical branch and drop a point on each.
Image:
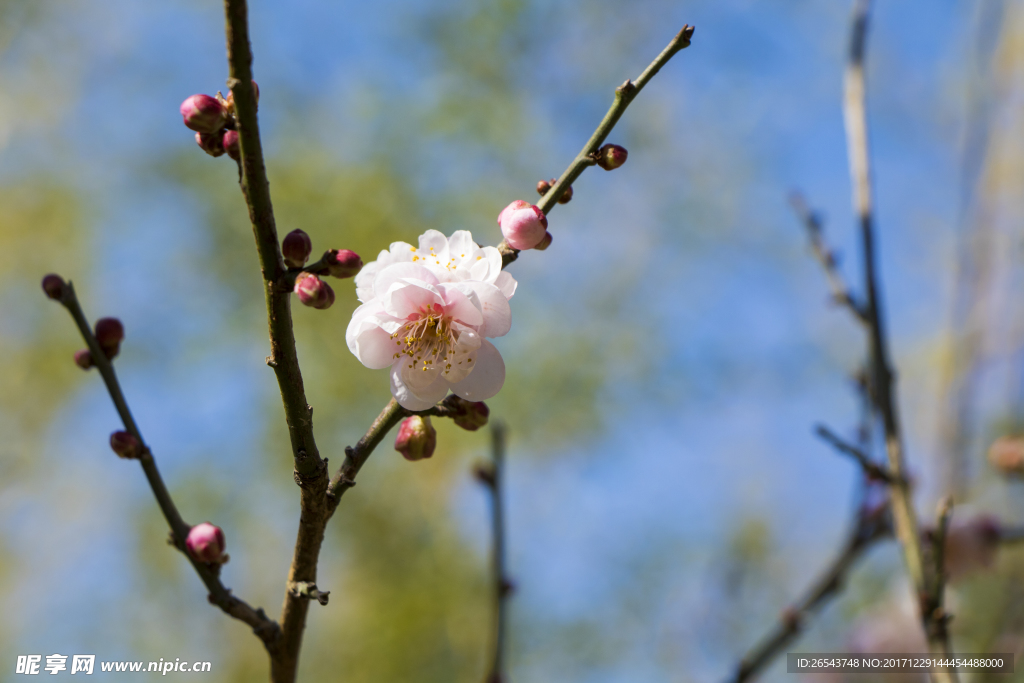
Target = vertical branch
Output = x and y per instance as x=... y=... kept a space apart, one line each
x=883 y=391
x=492 y=476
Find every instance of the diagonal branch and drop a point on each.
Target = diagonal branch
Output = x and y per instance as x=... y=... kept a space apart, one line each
x=624 y=94
x=872 y=470
x=267 y=630
x=904 y=516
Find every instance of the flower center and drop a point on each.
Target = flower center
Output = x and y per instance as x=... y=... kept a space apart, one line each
x=427 y=339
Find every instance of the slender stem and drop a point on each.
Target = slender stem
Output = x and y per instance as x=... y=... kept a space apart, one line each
x=356 y=456
x=871 y=469
x=502 y=586
x=869 y=529
x=904 y=516
x=624 y=94
x=265 y=628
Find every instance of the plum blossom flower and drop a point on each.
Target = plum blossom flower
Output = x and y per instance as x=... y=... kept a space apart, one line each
x=427 y=313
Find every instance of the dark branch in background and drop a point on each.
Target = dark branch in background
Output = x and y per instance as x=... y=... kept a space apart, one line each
x=624 y=94
x=872 y=470
x=882 y=384
x=492 y=476
x=840 y=290
x=871 y=526
x=265 y=628
x=932 y=601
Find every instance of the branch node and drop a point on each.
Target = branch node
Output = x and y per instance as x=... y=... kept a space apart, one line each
x=308 y=590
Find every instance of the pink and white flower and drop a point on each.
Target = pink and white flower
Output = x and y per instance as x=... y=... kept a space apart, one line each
x=427 y=313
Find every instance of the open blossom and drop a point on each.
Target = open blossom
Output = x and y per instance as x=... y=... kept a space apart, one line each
x=426 y=314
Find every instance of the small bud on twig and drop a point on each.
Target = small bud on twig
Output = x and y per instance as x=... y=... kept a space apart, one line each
x=543 y=186
x=416 y=438
x=203 y=114
x=522 y=224
x=211 y=143
x=611 y=157
x=343 y=263
x=125 y=445
x=53 y=285
x=544 y=243
x=205 y=543
x=296 y=248
x=230 y=141
x=313 y=292
x=83 y=359
x=109 y=333
x=470 y=415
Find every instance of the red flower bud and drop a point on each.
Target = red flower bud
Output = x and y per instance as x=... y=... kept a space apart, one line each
x=203 y=114
x=544 y=243
x=342 y=263
x=566 y=196
x=416 y=438
x=296 y=248
x=470 y=415
x=543 y=186
x=125 y=445
x=522 y=224
x=211 y=143
x=83 y=359
x=314 y=292
x=53 y=285
x=611 y=157
x=109 y=333
x=230 y=142
x=205 y=543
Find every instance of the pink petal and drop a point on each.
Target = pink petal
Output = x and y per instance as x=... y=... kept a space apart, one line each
x=459 y=306
x=409 y=297
x=400 y=271
x=497 y=315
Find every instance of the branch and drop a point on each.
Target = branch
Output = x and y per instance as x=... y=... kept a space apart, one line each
x=870 y=528
x=267 y=630
x=624 y=94
x=872 y=470
x=935 y=617
x=492 y=476
x=904 y=517
x=826 y=257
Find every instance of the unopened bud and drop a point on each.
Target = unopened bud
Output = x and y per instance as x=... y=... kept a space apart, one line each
x=211 y=143
x=296 y=248
x=83 y=359
x=544 y=243
x=205 y=543
x=522 y=224
x=203 y=114
x=314 y=292
x=566 y=196
x=483 y=472
x=470 y=415
x=230 y=142
x=1006 y=454
x=342 y=263
x=125 y=445
x=611 y=157
x=543 y=186
x=109 y=333
x=53 y=285
x=416 y=438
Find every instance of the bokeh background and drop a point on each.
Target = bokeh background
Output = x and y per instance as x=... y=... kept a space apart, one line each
x=669 y=355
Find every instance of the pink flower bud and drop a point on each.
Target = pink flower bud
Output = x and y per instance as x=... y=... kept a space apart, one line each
x=314 y=292
x=611 y=157
x=83 y=359
x=125 y=445
x=211 y=143
x=205 y=543
x=230 y=142
x=203 y=114
x=342 y=263
x=416 y=438
x=544 y=243
x=53 y=285
x=470 y=415
x=109 y=333
x=522 y=224
x=1006 y=454
x=296 y=248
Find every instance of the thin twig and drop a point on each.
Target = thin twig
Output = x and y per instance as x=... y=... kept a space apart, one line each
x=872 y=469
x=932 y=600
x=624 y=94
x=493 y=479
x=826 y=257
x=904 y=516
x=267 y=630
x=868 y=529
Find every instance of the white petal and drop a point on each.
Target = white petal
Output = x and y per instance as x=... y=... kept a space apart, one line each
x=410 y=297
x=487 y=376
x=459 y=306
x=400 y=251
x=462 y=250
x=457 y=366
x=364 y=278
x=397 y=271
x=487 y=265
x=506 y=283
x=433 y=242
x=418 y=400
x=367 y=341
x=497 y=315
